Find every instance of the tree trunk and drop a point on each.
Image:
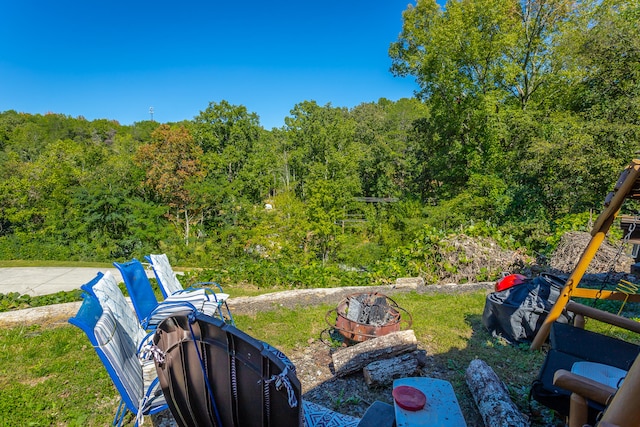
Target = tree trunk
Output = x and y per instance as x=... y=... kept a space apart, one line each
x=383 y=372
x=186 y=226
x=351 y=359
x=491 y=397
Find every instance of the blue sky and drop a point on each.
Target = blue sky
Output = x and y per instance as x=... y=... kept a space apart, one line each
x=117 y=59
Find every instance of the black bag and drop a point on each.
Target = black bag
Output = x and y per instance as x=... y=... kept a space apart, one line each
x=517 y=313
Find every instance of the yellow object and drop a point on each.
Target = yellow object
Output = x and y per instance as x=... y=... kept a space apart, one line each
x=627 y=186
x=626 y=288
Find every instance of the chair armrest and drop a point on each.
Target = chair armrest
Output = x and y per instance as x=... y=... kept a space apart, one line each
x=583 y=386
x=603 y=316
x=218 y=296
x=199 y=284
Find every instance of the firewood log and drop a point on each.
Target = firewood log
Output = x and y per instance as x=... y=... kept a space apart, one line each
x=348 y=360
x=492 y=398
x=383 y=372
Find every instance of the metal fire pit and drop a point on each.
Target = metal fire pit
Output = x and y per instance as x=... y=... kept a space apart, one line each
x=363 y=316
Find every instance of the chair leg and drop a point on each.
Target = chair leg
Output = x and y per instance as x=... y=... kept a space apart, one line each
x=578 y=411
x=120 y=414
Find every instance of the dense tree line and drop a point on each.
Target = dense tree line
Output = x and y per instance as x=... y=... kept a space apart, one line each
x=526 y=113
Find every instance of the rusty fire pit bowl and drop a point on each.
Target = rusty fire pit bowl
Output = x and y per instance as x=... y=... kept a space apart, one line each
x=363 y=316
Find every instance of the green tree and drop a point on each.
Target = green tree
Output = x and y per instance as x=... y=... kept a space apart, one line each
x=226 y=133
x=473 y=48
x=589 y=119
x=383 y=132
x=38 y=201
x=172 y=163
x=458 y=56
x=234 y=158
x=9 y=121
x=282 y=232
x=490 y=72
x=118 y=221
x=324 y=161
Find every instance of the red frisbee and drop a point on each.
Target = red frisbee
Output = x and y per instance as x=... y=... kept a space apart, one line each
x=409 y=398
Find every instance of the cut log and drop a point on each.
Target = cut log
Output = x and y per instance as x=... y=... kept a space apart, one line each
x=492 y=398
x=383 y=372
x=352 y=359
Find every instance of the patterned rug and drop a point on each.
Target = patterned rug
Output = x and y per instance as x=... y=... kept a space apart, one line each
x=318 y=416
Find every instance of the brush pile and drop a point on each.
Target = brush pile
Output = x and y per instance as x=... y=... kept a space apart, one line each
x=475 y=259
x=607 y=259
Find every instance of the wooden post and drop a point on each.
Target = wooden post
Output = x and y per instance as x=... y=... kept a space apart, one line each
x=624 y=409
x=578 y=410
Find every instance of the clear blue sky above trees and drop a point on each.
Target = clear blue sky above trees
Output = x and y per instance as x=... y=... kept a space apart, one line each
x=115 y=60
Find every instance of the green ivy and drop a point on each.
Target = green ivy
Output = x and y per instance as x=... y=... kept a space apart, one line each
x=16 y=301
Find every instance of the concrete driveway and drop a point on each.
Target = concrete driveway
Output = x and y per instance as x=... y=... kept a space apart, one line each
x=37 y=281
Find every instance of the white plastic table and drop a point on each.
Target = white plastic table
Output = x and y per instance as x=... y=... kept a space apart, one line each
x=441 y=409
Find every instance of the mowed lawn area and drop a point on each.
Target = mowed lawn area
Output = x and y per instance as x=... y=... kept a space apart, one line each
x=51 y=376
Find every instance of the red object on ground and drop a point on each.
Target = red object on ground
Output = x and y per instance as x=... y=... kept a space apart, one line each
x=510 y=281
x=409 y=398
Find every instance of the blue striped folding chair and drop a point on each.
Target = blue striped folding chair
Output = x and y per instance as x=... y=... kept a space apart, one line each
x=171 y=287
x=117 y=351
x=105 y=287
x=150 y=312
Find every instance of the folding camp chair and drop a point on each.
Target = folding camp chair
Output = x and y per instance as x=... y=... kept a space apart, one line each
x=603 y=359
x=622 y=409
x=105 y=288
x=150 y=312
x=117 y=351
x=170 y=285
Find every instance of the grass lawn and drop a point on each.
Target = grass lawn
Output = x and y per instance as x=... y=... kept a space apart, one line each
x=51 y=376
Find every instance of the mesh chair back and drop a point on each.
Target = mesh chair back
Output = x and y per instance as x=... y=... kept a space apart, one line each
x=139 y=288
x=167 y=279
x=105 y=288
x=117 y=352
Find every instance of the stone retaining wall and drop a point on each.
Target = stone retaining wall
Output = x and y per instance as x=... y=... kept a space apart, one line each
x=60 y=313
